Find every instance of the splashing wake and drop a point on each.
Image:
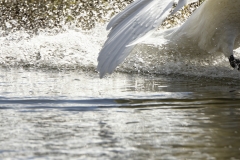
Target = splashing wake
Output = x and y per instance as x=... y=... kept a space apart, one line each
x=69 y=38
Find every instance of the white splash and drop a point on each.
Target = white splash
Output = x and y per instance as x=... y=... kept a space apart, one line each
x=75 y=49
x=66 y=50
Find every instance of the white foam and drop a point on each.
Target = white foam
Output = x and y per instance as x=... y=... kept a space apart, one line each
x=68 y=49
x=77 y=49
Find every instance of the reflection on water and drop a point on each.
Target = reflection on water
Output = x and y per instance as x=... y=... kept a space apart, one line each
x=75 y=115
x=70 y=115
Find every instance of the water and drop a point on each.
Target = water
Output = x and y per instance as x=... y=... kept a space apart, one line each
x=159 y=104
x=76 y=115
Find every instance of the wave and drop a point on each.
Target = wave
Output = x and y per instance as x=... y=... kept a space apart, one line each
x=76 y=49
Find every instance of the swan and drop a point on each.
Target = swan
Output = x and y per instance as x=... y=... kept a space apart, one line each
x=213 y=27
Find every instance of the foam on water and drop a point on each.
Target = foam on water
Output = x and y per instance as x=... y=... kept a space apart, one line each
x=156 y=55
x=66 y=50
x=71 y=48
x=77 y=49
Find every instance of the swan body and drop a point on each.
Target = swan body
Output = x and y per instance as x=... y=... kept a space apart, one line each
x=213 y=27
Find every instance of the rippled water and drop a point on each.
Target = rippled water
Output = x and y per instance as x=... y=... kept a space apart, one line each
x=162 y=103
x=75 y=115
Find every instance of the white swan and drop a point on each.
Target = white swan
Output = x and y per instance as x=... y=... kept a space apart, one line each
x=214 y=27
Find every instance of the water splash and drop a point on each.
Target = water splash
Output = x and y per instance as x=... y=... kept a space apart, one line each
x=70 y=49
x=65 y=44
x=35 y=15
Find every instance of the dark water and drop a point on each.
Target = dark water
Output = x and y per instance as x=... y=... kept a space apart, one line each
x=76 y=115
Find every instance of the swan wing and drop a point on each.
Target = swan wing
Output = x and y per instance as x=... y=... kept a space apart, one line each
x=130 y=27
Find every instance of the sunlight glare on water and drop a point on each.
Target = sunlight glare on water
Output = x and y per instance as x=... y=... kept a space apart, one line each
x=61 y=115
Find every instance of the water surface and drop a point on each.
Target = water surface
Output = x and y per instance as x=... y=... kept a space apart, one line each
x=76 y=115
x=163 y=102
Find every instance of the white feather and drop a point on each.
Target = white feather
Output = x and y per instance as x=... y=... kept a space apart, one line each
x=214 y=26
x=128 y=28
